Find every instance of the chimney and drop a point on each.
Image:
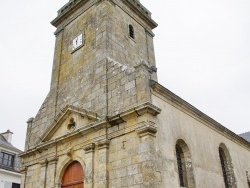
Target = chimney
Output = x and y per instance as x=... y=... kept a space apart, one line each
x=8 y=135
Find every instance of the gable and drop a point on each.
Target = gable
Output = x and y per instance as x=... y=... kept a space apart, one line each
x=70 y=119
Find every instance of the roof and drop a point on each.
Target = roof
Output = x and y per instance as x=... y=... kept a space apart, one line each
x=194 y=111
x=246 y=136
x=6 y=144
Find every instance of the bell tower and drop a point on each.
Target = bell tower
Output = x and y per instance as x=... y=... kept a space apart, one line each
x=103 y=60
x=103 y=53
x=100 y=95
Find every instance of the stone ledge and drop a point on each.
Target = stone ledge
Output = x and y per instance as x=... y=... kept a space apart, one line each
x=92 y=127
x=146 y=108
x=148 y=129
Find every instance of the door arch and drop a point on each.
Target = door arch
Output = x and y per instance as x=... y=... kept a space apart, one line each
x=73 y=176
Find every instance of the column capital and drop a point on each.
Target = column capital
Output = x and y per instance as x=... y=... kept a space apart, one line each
x=89 y=148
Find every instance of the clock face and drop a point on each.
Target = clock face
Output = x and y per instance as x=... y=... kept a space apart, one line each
x=77 y=42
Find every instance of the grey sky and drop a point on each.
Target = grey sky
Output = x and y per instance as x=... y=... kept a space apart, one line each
x=202 y=52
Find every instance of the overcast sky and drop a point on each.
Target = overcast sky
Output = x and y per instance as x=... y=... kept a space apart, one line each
x=202 y=51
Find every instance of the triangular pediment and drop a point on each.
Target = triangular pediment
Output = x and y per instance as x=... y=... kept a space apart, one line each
x=68 y=120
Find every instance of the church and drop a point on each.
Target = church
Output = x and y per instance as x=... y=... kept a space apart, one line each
x=107 y=122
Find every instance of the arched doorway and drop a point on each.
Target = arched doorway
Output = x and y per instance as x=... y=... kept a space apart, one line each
x=73 y=176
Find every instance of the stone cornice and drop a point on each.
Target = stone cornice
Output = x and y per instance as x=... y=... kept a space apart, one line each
x=162 y=91
x=92 y=127
x=74 y=5
x=145 y=108
x=68 y=9
x=139 y=10
x=146 y=129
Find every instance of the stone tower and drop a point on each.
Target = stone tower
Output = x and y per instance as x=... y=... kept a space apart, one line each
x=103 y=63
x=97 y=65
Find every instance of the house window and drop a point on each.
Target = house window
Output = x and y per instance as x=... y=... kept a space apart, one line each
x=131 y=31
x=6 y=159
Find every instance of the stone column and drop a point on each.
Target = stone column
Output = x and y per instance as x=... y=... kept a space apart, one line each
x=102 y=172
x=89 y=169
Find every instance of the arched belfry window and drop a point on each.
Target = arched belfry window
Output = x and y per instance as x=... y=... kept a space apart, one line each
x=184 y=165
x=131 y=31
x=73 y=176
x=226 y=167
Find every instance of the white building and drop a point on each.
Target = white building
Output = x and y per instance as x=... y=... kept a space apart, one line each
x=9 y=162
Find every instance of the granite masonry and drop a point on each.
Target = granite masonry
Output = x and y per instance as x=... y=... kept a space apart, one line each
x=107 y=113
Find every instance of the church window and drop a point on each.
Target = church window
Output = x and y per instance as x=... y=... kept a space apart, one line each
x=223 y=166
x=179 y=154
x=184 y=165
x=226 y=167
x=131 y=31
x=248 y=178
x=6 y=159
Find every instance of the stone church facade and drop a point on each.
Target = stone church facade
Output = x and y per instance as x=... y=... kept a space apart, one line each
x=107 y=122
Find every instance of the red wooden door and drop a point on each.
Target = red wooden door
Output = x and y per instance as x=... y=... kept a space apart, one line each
x=73 y=176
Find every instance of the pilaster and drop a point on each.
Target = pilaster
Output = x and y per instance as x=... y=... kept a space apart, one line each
x=43 y=173
x=147 y=155
x=89 y=168
x=51 y=172
x=102 y=174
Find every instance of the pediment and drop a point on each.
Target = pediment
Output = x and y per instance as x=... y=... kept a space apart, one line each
x=68 y=120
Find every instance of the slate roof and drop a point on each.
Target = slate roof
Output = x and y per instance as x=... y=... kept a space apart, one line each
x=246 y=136
x=5 y=143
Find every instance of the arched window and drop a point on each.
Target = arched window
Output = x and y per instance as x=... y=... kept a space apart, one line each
x=184 y=165
x=226 y=167
x=180 y=163
x=131 y=31
x=73 y=176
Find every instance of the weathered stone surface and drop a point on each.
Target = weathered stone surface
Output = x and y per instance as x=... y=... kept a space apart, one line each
x=104 y=111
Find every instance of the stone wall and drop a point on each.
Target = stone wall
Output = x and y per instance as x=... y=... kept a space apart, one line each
x=176 y=122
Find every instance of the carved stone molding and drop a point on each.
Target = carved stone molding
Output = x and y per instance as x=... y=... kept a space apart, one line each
x=145 y=108
x=23 y=169
x=147 y=129
x=53 y=160
x=89 y=148
x=103 y=144
x=43 y=162
x=70 y=152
